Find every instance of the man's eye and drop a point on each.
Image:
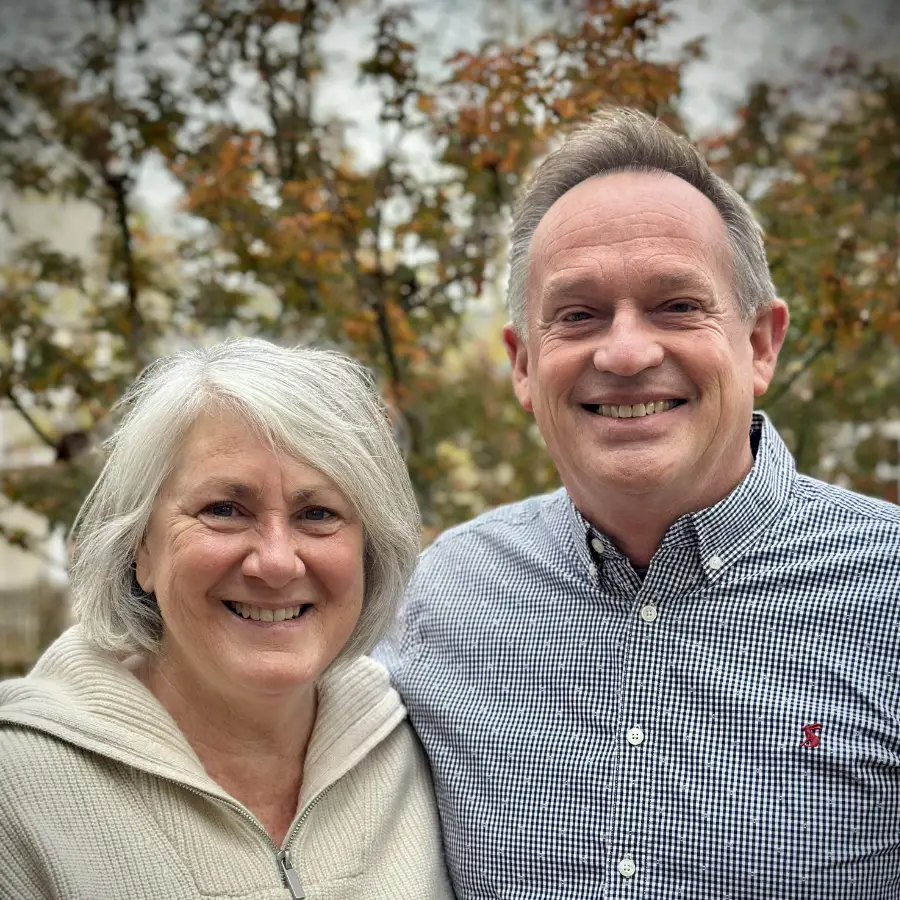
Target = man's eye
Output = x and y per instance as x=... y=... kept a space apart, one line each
x=579 y=316
x=681 y=306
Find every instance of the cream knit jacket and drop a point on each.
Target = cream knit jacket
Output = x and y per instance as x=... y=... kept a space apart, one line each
x=102 y=798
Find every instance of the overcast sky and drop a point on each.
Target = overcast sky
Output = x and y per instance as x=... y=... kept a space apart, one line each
x=745 y=39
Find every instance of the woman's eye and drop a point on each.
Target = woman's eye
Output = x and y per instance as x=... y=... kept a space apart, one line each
x=224 y=509
x=317 y=514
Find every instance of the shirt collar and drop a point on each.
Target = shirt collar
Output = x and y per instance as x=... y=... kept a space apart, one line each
x=724 y=531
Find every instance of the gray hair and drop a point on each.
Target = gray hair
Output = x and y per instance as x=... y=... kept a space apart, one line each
x=625 y=140
x=317 y=405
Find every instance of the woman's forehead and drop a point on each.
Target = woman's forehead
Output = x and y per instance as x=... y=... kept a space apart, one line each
x=222 y=449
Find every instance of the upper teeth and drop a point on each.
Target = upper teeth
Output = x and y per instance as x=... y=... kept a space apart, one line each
x=637 y=410
x=263 y=614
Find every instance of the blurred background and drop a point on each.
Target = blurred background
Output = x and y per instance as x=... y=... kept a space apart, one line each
x=342 y=172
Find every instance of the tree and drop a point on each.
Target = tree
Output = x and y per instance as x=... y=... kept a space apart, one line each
x=821 y=155
x=290 y=236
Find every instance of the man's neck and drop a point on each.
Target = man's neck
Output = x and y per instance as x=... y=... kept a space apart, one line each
x=637 y=523
x=637 y=536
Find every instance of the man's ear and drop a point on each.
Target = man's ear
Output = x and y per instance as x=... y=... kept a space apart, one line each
x=517 y=350
x=766 y=339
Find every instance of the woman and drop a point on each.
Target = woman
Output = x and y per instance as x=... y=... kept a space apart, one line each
x=210 y=726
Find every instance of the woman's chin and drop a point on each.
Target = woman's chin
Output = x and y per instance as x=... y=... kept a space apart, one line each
x=242 y=675
x=275 y=678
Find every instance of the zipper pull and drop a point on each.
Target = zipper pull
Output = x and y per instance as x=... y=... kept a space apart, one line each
x=291 y=878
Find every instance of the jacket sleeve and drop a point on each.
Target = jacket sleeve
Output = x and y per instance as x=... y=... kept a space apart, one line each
x=20 y=866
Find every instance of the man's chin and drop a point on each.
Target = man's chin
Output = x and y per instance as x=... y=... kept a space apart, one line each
x=634 y=471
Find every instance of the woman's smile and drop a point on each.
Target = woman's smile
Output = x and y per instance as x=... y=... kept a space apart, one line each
x=266 y=614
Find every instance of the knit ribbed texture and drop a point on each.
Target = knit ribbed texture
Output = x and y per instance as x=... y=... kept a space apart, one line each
x=102 y=797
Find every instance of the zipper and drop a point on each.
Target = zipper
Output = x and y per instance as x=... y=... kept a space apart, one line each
x=290 y=876
x=283 y=857
x=305 y=814
x=289 y=873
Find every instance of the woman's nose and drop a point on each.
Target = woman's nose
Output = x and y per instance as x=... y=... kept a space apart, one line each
x=275 y=557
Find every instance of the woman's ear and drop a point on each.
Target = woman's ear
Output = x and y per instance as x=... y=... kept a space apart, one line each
x=143 y=569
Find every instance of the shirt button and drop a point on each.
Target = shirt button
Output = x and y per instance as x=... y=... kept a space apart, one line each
x=635 y=736
x=715 y=562
x=627 y=867
x=597 y=544
x=649 y=613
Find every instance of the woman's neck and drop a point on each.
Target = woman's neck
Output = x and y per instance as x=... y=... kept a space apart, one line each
x=253 y=748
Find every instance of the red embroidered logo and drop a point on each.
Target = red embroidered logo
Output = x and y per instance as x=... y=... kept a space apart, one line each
x=811 y=737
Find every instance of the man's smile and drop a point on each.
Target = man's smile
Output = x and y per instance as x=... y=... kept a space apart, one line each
x=632 y=410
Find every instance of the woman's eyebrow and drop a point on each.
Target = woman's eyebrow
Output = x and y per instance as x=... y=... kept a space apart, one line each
x=237 y=490
x=234 y=490
x=311 y=494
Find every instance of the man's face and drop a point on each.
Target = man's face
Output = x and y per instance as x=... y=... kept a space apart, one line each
x=637 y=365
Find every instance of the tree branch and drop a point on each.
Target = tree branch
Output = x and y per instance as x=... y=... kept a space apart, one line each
x=45 y=438
x=387 y=341
x=384 y=326
x=117 y=184
x=302 y=74
x=782 y=389
x=285 y=152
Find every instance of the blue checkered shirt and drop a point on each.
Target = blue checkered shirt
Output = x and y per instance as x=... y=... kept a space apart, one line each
x=729 y=727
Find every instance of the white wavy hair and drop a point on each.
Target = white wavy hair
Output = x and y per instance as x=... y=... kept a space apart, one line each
x=318 y=406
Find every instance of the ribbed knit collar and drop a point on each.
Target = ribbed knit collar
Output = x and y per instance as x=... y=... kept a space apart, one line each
x=88 y=698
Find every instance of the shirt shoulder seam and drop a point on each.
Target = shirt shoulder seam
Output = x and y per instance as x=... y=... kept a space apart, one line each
x=501 y=516
x=810 y=492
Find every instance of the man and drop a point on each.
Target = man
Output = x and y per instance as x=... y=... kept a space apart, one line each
x=678 y=676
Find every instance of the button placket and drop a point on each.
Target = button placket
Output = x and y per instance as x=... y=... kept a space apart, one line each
x=636 y=749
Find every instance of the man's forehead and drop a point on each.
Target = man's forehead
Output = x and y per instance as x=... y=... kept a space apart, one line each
x=625 y=206
x=629 y=193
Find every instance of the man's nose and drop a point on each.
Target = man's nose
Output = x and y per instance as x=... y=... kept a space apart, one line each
x=275 y=557
x=628 y=346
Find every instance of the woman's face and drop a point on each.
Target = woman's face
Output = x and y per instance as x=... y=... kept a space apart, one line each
x=256 y=561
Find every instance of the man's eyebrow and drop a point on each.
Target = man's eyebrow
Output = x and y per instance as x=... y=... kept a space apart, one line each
x=568 y=284
x=670 y=282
